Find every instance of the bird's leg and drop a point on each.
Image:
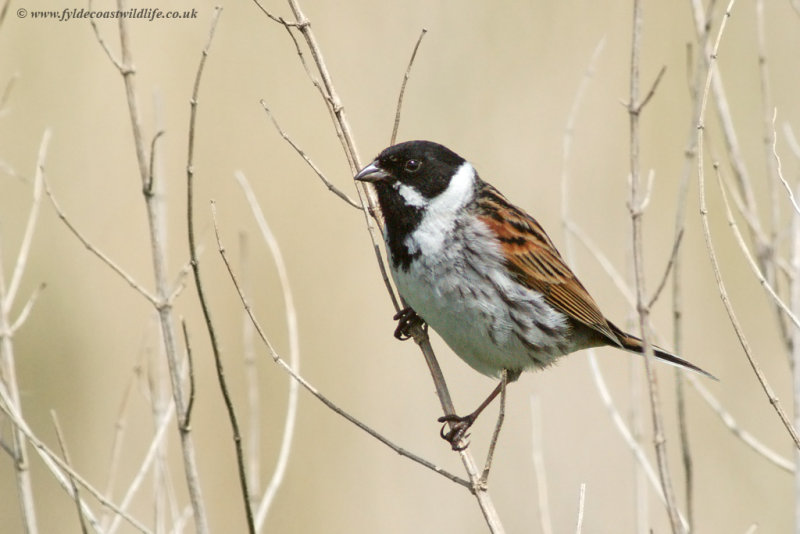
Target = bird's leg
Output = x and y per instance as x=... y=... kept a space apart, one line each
x=406 y=319
x=459 y=425
x=500 y=417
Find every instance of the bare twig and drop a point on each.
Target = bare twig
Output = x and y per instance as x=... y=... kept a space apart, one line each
x=670 y=264
x=601 y=258
x=119 y=433
x=117 y=63
x=254 y=424
x=96 y=251
x=59 y=467
x=762 y=280
x=65 y=453
x=26 y=310
x=237 y=440
x=581 y=502
x=311 y=389
x=294 y=352
x=399 y=108
x=539 y=467
x=694 y=78
x=187 y=415
x=30 y=227
x=794 y=296
x=144 y=466
x=710 y=246
x=624 y=431
x=8 y=373
x=332 y=188
x=566 y=145
x=730 y=422
x=741 y=173
x=779 y=166
x=637 y=202
x=4 y=96
x=501 y=415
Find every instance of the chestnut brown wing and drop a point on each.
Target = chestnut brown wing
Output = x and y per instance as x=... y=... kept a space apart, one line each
x=533 y=258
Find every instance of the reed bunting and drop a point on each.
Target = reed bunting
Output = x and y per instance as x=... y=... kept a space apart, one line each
x=481 y=272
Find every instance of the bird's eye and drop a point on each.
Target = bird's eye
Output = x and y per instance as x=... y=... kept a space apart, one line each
x=413 y=165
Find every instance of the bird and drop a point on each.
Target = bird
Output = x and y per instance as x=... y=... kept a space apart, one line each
x=482 y=272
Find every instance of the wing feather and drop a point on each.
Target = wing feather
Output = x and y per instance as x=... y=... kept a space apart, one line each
x=536 y=262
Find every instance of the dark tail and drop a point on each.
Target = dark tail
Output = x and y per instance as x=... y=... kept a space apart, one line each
x=634 y=344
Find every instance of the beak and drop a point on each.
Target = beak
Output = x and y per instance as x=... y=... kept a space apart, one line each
x=372 y=173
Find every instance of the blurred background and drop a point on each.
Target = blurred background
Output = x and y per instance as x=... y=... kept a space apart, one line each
x=495 y=82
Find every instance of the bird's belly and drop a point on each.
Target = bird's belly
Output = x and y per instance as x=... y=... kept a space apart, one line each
x=489 y=320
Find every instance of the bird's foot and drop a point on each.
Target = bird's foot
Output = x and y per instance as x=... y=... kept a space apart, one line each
x=407 y=319
x=457 y=435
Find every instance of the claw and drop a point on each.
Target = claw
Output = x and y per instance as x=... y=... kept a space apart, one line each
x=458 y=430
x=407 y=319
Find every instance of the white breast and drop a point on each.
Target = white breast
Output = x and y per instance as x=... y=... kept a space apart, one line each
x=457 y=282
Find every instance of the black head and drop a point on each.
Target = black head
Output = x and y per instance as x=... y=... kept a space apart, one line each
x=423 y=165
x=408 y=178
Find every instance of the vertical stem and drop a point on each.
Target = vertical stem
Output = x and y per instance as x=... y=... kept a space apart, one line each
x=636 y=202
x=19 y=448
x=156 y=224
x=795 y=303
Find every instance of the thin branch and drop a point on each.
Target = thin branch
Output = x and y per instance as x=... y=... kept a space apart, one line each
x=581 y=503
x=569 y=132
x=303 y=382
x=540 y=467
x=237 y=439
x=637 y=203
x=117 y=63
x=711 y=250
x=33 y=216
x=637 y=108
x=146 y=463
x=65 y=453
x=624 y=431
x=58 y=467
x=746 y=251
x=294 y=351
x=670 y=264
x=393 y=139
x=741 y=173
x=601 y=258
x=332 y=188
x=730 y=422
x=251 y=373
x=779 y=167
x=187 y=416
x=4 y=96
x=148 y=186
x=26 y=310
x=119 y=433
x=97 y=252
x=694 y=78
